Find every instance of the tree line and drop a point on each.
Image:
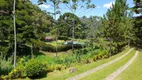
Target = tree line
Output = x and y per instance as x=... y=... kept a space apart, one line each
x=114 y=30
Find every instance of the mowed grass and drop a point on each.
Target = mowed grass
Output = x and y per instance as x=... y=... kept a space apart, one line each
x=64 y=74
x=134 y=71
x=106 y=71
x=53 y=43
x=53 y=54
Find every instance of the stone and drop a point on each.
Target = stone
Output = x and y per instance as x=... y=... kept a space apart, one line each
x=72 y=69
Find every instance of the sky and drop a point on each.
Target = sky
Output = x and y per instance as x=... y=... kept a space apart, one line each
x=100 y=10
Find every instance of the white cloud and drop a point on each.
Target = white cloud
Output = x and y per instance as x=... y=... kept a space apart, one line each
x=44 y=6
x=108 y=5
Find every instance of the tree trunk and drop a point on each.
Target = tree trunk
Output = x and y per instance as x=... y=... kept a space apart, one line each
x=32 y=55
x=15 y=43
x=73 y=33
x=56 y=30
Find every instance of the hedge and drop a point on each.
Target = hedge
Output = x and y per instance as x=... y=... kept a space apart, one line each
x=51 y=48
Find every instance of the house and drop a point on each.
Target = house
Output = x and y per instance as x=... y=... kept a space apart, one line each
x=48 y=38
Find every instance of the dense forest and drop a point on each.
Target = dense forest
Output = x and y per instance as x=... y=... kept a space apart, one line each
x=28 y=33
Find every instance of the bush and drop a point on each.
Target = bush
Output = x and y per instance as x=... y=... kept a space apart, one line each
x=50 y=68
x=53 y=63
x=87 y=61
x=48 y=47
x=34 y=68
x=4 y=77
x=51 y=48
x=98 y=57
x=19 y=71
x=59 y=67
x=63 y=38
x=5 y=66
x=66 y=60
x=84 y=51
x=95 y=58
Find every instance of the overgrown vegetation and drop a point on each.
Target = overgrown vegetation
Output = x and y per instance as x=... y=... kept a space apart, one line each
x=81 y=67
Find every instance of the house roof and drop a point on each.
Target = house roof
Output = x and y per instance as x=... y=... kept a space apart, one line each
x=48 y=37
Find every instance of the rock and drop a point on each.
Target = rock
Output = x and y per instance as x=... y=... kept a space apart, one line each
x=72 y=69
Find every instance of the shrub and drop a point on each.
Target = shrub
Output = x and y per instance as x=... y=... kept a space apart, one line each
x=58 y=67
x=67 y=60
x=34 y=68
x=4 y=77
x=63 y=38
x=19 y=71
x=104 y=53
x=95 y=58
x=51 y=48
x=86 y=58
x=50 y=68
x=5 y=66
x=87 y=61
x=84 y=51
x=48 y=47
x=98 y=57
x=67 y=47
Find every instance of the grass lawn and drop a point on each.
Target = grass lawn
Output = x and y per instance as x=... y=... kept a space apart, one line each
x=134 y=71
x=53 y=54
x=64 y=74
x=59 y=42
x=103 y=73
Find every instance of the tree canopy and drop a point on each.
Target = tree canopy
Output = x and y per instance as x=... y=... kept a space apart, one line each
x=65 y=25
x=117 y=24
x=31 y=23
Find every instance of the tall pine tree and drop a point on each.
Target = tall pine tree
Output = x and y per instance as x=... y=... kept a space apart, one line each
x=138 y=21
x=117 y=25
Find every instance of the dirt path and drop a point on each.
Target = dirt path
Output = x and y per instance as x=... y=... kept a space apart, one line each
x=121 y=69
x=79 y=76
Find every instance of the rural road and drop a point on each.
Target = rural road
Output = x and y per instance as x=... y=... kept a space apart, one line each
x=121 y=69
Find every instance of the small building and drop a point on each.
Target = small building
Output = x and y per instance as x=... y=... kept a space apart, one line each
x=48 y=38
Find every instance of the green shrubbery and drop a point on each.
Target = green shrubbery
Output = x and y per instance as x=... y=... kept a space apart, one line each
x=34 y=68
x=48 y=47
x=41 y=64
x=67 y=60
x=19 y=72
x=5 y=65
x=51 y=48
x=63 y=38
x=102 y=54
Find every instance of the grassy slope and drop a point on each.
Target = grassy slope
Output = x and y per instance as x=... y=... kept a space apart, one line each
x=134 y=71
x=64 y=74
x=52 y=54
x=103 y=73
